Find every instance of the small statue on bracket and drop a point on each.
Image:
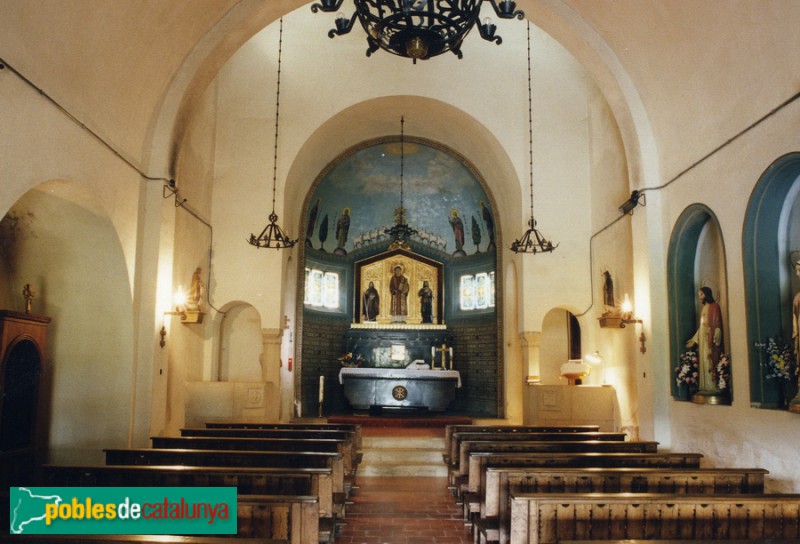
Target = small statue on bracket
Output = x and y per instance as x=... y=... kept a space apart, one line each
x=28 y=293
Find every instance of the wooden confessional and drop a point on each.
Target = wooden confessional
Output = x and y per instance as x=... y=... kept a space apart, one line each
x=22 y=341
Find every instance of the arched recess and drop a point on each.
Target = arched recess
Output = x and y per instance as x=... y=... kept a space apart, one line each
x=696 y=259
x=438 y=182
x=58 y=238
x=240 y=345
x=771 y=233
x=561 y=341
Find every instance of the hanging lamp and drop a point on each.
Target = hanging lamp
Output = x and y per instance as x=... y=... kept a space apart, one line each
x=273 y=236
x=400 y=232
x=532 y=241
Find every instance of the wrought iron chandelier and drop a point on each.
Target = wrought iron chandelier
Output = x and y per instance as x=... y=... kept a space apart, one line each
x=532 y=241
x=419 y=29
x=400 y=232
x=273 y=236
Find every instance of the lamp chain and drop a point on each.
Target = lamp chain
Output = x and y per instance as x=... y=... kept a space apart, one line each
x=402 y=157
x=530 y=122
x=277 y=115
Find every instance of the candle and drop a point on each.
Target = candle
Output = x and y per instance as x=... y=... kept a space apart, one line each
x=451 y=359
x=321 y=388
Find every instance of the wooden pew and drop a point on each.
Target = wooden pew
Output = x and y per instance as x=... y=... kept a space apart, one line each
x=350 y=437
x=493 y=511
x=248 y=481
x=460 y=472
x=486 y=436
x=521 y=446
x=233 y=458
x=452 y=431
x=342 y=446
x=550 y=518
x=288 y=517
x=449 y=430
x=479 y=462
x=353 y=427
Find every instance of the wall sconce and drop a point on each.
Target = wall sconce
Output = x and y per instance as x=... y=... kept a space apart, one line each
x=637 y=197
x=619 y=318
x=186 y=316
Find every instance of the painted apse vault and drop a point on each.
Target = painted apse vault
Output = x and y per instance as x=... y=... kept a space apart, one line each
x=449 y=265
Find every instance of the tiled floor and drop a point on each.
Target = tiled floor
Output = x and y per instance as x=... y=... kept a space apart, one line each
x=403 y=510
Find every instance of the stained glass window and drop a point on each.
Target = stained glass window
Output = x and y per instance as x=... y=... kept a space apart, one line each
x=477 y=291
x=467 y=292
x=321 y=289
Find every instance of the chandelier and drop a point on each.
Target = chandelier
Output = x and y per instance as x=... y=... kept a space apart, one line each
x=273 y=236
x=419 y=29
x=532 y=241
x=400 y=232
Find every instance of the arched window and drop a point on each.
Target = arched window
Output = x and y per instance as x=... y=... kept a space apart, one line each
x=771 y=234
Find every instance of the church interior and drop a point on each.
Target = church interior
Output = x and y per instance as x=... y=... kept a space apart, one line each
x=649 y=149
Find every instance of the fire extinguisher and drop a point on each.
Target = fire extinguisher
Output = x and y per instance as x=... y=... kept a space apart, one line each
x=290 y=364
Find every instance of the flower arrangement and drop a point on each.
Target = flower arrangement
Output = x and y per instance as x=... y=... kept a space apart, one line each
x=724 y=372
x=780 y=363
x=687 y=371
x=351 y=361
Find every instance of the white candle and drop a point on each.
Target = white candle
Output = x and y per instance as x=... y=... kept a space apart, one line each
x=451 y=359
x=433 y=353
x=321 y=388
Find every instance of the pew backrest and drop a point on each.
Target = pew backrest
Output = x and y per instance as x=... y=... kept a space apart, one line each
x=480 y=461
x=468 y=447
x=486 y=436
x=248 y=481
x=545 y=519
x=699 y=481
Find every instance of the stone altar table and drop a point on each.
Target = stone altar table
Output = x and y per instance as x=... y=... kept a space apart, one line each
x=399 y=387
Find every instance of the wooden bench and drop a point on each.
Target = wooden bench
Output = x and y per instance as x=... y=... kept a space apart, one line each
x=459 y=437
x=467 y=447
x=248 y=481
x=479 y=462
x=232 y=458
x=352 y=427
x=286 y=519
x=352 y=438
x=450 y=430
x=342 y=446
x=550 y=518
x=492 y=512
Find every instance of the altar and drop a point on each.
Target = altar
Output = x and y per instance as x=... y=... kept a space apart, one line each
x=399 y=388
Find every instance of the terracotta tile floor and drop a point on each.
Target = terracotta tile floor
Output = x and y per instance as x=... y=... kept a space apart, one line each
x=403 y=510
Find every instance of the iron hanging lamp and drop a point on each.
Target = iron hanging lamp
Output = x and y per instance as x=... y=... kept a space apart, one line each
x=419 y=29
x=400 y=232
x=532 y=241
x=273 y=236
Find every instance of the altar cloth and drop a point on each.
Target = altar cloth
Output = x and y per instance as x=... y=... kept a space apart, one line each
x=365 y=388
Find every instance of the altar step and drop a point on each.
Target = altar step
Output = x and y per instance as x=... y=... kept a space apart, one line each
x=402 y=456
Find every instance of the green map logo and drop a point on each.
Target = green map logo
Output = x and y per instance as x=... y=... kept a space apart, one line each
x=123 y=510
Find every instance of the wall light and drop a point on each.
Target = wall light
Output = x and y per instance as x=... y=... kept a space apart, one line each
x=637 y=197
x=187 y=316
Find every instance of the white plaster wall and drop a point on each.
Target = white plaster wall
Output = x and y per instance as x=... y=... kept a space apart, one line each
x=71 y=256
x=735 y=435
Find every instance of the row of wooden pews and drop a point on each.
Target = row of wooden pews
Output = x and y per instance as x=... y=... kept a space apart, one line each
x=293 y=480
x=532 y=484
